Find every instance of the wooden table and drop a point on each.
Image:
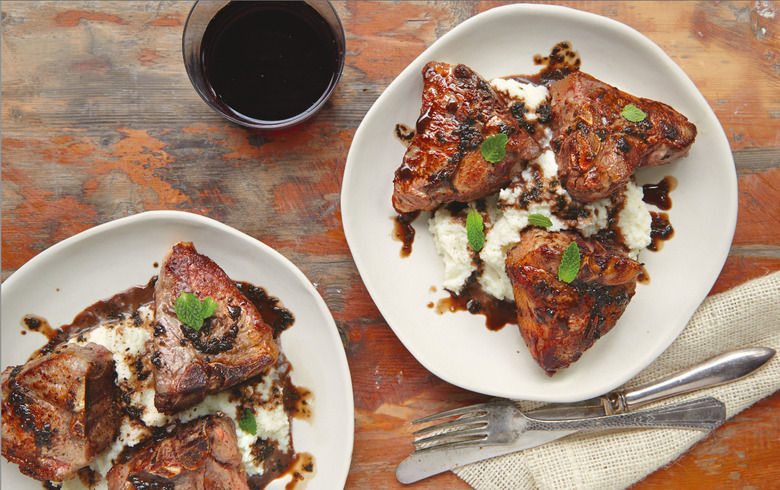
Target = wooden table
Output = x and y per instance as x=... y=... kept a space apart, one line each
x=99 y=121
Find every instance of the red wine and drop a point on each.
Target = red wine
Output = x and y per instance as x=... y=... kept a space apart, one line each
x=269 y=61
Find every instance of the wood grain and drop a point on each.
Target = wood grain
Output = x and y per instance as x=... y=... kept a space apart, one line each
x=99 y=121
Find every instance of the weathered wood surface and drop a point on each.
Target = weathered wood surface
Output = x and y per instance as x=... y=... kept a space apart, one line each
x=99 y=121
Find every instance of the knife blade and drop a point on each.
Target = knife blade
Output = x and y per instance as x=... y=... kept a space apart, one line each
x=424 y=464
x=716 y=371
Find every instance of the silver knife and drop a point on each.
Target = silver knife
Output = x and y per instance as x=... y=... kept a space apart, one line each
x=719 y=370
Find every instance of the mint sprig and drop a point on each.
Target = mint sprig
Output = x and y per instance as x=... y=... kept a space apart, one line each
x=570 y=263
x=539 y=220
x=493 y=149
x=191 y=311
x=248 y=423
x=633 y=113
x=475 y=230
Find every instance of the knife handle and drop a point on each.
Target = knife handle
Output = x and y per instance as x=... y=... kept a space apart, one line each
x=701 y=414
x=720 y=369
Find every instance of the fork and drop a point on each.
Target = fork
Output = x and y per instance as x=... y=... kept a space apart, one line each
x=501 y=422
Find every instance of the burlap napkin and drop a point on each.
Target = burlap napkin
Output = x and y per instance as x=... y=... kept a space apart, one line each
x=748 y=315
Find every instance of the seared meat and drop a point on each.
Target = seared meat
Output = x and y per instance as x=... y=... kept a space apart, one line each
x=559 y=321
x=59 y=411
x=597 y=149
x=233 y=344
x=443 y=162
x=201 y=454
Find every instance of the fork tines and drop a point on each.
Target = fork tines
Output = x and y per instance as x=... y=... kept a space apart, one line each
x=469 y=427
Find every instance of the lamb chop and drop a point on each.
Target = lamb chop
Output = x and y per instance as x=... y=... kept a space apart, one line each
x=59 y=411
x=597 y=148
x=201 y=454
x=443 y=162
x=233 y=344
x=560 y=321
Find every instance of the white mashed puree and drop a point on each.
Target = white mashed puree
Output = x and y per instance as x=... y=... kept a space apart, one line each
x=507 y=212
x=127 y=340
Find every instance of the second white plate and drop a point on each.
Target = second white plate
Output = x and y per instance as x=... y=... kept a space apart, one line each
x=94 y=265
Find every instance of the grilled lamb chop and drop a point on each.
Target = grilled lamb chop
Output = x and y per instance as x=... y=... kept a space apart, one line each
x=560 y=321
x=233 y=344
x=443 y=162
x=201 y=454
x=597 y=149
x=59 y=411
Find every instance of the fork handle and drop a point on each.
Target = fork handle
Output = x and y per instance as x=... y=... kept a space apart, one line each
x=701 y=414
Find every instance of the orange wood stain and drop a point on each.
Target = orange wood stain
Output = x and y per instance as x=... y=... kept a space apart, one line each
x=71 y=18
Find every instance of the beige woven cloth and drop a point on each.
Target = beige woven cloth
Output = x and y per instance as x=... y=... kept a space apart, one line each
x=748 y=315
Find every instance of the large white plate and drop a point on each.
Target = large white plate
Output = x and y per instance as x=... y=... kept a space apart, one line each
x=100 y=262
x=458 y=347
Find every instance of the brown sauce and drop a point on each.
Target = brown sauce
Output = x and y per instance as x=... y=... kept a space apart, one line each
x=404 y=232
x=277 y=463
x=299 y=466
x=404 y=133
x=660 y=230
x=277 y=317
x=560 y=63
x=658 y=194
x=118 y=307
x=472 y=298
x=37 y=324
x=297 y=400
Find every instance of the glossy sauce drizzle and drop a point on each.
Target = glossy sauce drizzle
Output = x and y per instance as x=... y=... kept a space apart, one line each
x=472 y=298
x=118 y=307
x=560 y=63
x=404 y=232
x=658 y=194
x=660 y=230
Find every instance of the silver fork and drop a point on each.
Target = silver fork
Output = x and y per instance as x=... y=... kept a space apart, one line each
x=501 y=422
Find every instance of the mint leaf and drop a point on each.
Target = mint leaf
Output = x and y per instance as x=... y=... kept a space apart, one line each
x=475 y=230
x=191 y=312
x=187 y=307
x=633 y=113
x=539 y=220
x=208 y=307
x=493 y=149
x=248 y=423
x=570 y=263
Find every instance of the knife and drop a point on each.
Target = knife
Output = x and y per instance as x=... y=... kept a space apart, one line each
x=719 y=370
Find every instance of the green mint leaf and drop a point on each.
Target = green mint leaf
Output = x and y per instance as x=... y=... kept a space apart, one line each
x=248 y=423
x=191 y=312
x=475 y=230
x=188 y=310
x=494 y=148
x=570 y=263
x=208 y=307
x=539 y=220
x=633 y=113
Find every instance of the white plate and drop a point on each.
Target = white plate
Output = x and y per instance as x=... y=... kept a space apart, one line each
x=100 y=262
x=458 y=347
